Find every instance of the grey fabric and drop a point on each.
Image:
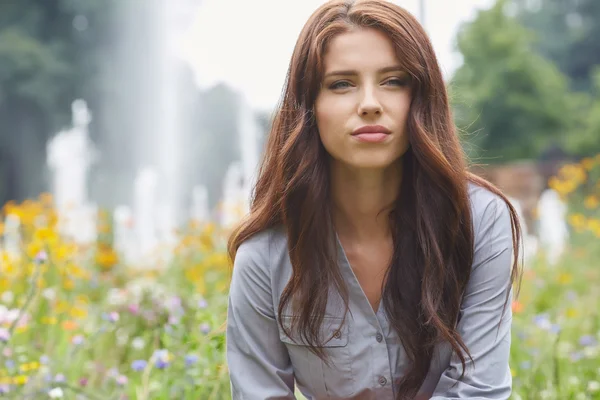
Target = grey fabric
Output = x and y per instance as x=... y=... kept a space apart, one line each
x=367 y=357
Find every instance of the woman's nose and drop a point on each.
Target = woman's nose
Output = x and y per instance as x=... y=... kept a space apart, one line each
x=369 y=104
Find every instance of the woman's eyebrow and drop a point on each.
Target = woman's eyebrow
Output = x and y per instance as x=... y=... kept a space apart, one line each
x=351 y=72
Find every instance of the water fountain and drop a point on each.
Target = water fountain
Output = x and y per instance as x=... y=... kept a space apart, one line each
x=145 y=213
x=529 y=241
x=12 y=236
x=553 y=229
x=70 y=154
x=249 y=133
x=124 y=233
x=200 y=211
x=234 y=203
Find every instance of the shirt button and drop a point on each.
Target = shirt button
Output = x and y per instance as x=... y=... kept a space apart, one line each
x=382 y=380
x=379 y=337
x=337 y=335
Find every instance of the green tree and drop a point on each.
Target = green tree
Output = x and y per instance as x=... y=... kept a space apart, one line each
x=566 y=32
x=510 y=101
x=48 y=57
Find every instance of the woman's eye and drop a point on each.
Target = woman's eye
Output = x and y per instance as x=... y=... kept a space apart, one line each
x=340 y=85
x=397 y=81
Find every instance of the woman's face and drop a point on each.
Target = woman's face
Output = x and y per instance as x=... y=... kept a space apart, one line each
x=363 y=87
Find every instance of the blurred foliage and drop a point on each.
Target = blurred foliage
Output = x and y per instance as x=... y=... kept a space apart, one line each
x=45 y=63
x=510 y=101
x=566 y=32
x=55 y=51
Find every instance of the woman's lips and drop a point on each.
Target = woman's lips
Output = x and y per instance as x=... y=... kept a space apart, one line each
x=371 y=137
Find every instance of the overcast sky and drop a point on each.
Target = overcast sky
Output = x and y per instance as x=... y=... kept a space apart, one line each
x=248 y=43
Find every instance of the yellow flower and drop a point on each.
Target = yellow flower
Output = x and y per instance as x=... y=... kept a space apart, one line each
x=577 y=221
x=588 y=163
x=106 y=257
x=68 y=284
x=565 y=278
x=21 y=329
x=49 y=320
x=78 y=312
x=571 y=312
x=20 y=380
x=61 y=306
x=34 y=247
x=46 y=199
x=591 y=202
x=46 y=235
x=32 y=366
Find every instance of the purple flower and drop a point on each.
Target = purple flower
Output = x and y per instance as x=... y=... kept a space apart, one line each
x=83 y=381
x=59 y=378
x=4 y=389
x=113 y=316
x=191 y=359
x=588 y=341
x=10 y=364
x=138 y=365
x=542 y=321
x=121 y=380
x=555 y=328
x=77 y=340
x=162 y=358
x=576 y=356
x=174 y=303
x=202 y=303
x=41 y=257
x=205 y=328
x=4 y=335
x=45 y=360
x=571 y=295
x=133 y=308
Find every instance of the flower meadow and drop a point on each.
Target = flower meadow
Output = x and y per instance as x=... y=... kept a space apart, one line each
x=77 y=323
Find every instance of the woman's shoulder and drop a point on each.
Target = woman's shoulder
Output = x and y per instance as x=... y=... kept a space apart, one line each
x=488 y=210
x=262 y=249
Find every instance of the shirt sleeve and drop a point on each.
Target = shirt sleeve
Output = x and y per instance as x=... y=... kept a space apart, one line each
x=259 y=364
x=482 y=309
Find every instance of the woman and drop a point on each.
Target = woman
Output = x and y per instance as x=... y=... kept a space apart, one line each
x=372 y=264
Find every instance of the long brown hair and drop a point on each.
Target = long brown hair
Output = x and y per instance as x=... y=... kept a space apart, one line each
x=431 y=221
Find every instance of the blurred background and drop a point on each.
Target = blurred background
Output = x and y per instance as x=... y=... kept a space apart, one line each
x=130 y=133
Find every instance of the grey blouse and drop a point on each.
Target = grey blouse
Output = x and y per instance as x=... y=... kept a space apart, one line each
x=368 y=358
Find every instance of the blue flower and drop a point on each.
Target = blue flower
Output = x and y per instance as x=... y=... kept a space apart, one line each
x=588 y=341
x=526 y=365
x=191 y=359
x=138 y=365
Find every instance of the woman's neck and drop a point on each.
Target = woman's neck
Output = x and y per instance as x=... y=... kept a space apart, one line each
x=362 y=200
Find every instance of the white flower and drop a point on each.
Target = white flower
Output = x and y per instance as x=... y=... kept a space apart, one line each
x=138 y=343
x=593 y=386
x=56 y=393
x=116 y=297
x=49 y=293
x=573 y=380
x=7 y=297
x=591 y=352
